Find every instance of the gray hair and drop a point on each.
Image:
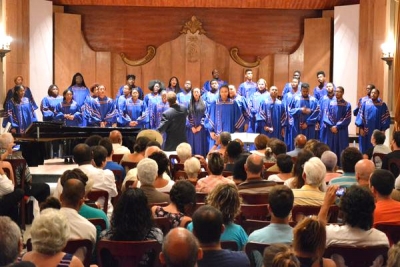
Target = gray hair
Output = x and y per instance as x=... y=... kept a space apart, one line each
x=50 y=232
x=315 y=171
x=184 y=151
x=329 y=159
x=192 y=167
x=9 y=241
x=147 y=171
x=5 y=140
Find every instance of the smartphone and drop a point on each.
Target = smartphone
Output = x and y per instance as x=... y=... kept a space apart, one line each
x=16 y=148
x=340 y=191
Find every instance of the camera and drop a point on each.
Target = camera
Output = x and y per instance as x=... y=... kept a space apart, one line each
x=340 y=191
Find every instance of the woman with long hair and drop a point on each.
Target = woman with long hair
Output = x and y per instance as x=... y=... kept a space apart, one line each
x=152 y=99
x=21 y=113
x=195 y=131
x=81 y=92
x=173 y=85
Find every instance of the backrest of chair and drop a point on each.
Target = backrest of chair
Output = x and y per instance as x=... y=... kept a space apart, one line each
x=231 y=245
x=267 y=165
x=256 y=198
x=202 y=174
x=301 y=211
x=227 y=173
x=357 y=256
x=201 y=197
x=128 y=165
x=7 y=172
x=391 y=230
x=19 y=167
x=118 y=183
x=117 y=157
x=253 y=246
x=394 y=166
x=180 y=175
x=94 y=195
x=126 y=253
x=98 y=222
x=163 y=223
x=377 y=158
x=255 y=212
x=73 y=245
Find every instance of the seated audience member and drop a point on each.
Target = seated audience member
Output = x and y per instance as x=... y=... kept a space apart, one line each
x=297 y=181
x=275 y=148
x=225 y=198
x=184 y=151
x=349 y=158
x=254 y=183
x=232 y=153
x=285 y=166
x=260 y=142
x=93 y=140
x=239 y=173
x=299 y=143
x=208 y=225
x=132 y=221
x=180 y=248
x=241 y=144
x=394 y=256
x=387 y=210
x=395 y=154
x=319 y=149
x=110 y=164
x=192 y=168
x=271 y=251
x=222 y=142
x=215 y=167
x=138 y=150
x=286 y=259
x=313 y=175
x=309 y=238
x=330 y=161
x=11 y=244
x=280 y=205
x=183 y=199
x=146 y=173
x=40 y=191
x=363 y=170
x=377 y=140
x=310 y=145
x=161 y=184
x=50 y=233
x=116 y=140
x=357 y=207
x=396 y=191
x=53 y=203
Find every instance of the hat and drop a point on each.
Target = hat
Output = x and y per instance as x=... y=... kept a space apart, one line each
x=153 y=135
x=397 y=183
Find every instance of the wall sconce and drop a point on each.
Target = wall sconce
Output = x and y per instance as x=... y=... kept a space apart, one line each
x=5 y=42
x=387 y=53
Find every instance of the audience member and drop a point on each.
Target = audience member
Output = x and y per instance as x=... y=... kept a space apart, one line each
x=330 y=161
x=260 y=143
x=297 y=181
x=254 y=183
x=110 y=164
x=349 y=158
x=394 y=256
x=208 y=226
x=286 y=259
x=299 y=142
x=232 y=153
x=138 y=150
x=180 y=249
x=192 y=168
x=239 y=173
x=395 y=154
x=222 y=142
x=275 y=148
x=271 y=251
x=161 y=184
x=319 y=149
x=116 y=140
x=184 y=151
x=93 y=140
x=377 y=140
x=285 y=166
x=363 y=170
x=396 y=191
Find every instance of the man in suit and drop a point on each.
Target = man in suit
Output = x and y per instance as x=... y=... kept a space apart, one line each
x=173 y=123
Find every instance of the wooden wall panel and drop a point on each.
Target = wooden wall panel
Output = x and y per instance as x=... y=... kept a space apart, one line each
x=281 y=67
x=192 y=57
x=317 y=49
x=296 y=61
x=88 y=63
x=103 y=71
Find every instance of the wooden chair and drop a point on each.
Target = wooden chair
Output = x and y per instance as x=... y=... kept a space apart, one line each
x=265 y=174
x=257 y=198
x=357 y=256
x=161 y=204
x=253 y=246
x=377 y=159
x=251 y=225
x=118 y=183
x=180 y=175
x=126 y=253
x=227 y=173
x=71 y=247
x=301 y=211
x=163 y=223
x=128 y=165
x=255 y=212
x=98 y=223
x=117 y=157
x=94 y=195
x=201 y=197
x=267 y=165
x=391 y=230
x=394 y=166
x=231 y=245
x=202 y=174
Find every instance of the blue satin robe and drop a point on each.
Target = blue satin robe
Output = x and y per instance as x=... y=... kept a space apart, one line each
x=21 y=115
x=48 y=106
x=198 y=141
x=71 y=108
x=254 y=105
x=133 y=111
x=101 y=110
x=274 y=115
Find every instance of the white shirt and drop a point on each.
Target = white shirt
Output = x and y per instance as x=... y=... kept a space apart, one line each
x=120 y=149
x=6 y=185
x=347 y=235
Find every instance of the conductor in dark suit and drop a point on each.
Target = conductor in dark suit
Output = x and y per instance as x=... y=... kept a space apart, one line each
x=173 y=123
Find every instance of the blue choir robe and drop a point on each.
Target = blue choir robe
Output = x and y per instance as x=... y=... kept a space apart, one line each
x=48 y=107
x=254 y=105
x=207 y=86
x=156 y=116
x=372 y=115
x=247 y=89
x=120 y=101
x=101 y=110
x=323 y=105
x=288 y=87
x=274 y=115
x=210 y=97
x=28 y=94
x=150 y=100
x=319 y=93
x=198 y=141
x=71 y=108
x=296 y=117
x=183 y=98
x=338 y=113
x=121 y=92
x=21 y=115
x=80 y=95
x=359 y=104
x=243 y=109
x=286 y=100
x=133 y=111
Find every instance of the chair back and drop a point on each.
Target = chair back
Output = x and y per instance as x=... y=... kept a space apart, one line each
x=98 y=223
x=268 y=165
x=94 y=195
x=255 y=212
x=128 y=165
x=377 y=158
x=127 y=253
x=227 y=173
x=118 y=184
x=252 y=247
x=163 y=223
x=201 y=197
x=231 y=245
x=117 y=157
x=256 y=198
x=391 y=230
x=180 y=175
x=301 y=211
x=394 y=166
x=251 y=225
x=357 y=256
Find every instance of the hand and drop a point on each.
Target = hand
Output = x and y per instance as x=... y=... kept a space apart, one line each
x=305 y=110
x=1 y=167
x=334 y=129
x=283 y=132
x=194 y=130
x=303 y=126
x=213 y=135
x=13 y=130
x=362 y=132
x=198 y=128
x=330 y=195
x=133 y=123
x=102 y=124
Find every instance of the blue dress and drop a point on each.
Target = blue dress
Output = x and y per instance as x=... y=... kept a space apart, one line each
x=101 y=109
x=21 y=115
x=150 y=101
x=133 y=111
x=286 y=100
x=254 y=105
x=274 y=115
x=372 y=115
x=319 y=93
x=28 y=94
x=48 y=106
x=210 y=97
x=338 y=113
x=198 y=140
x=71 y=108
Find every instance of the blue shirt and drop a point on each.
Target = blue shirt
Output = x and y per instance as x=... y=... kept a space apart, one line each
x=346 y=180
x=273 y=233
x=223 y=258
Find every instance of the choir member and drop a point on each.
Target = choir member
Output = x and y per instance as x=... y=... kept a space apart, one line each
x=215 y=76
x=173 y=85
x=130 y=81
x=323 y=105
x=101 y=111
x=49 y=103
x=254 y=105
x=68 y=111
x=247 y=88
x=184 y=96
x=196 y=132
x=274 y=115
x=152 y=99
x=28 y=94
x=133 y=112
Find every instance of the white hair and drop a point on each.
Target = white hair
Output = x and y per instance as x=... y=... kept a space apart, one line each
x=9 y=241
x=184 y=151
x=315 y=171
x=50 y=232
x=5 y=140
x=147 y=171
x=192 y=167
x=329 y=159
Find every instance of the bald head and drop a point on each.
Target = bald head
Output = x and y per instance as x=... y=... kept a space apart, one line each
x=171 y=98
x=150 y=150
x=180 y=248
x=116 y=137
x=363 y=169
x=300 y=140
x=254 y=164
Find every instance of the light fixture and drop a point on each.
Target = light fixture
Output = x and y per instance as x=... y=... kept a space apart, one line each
x=5 y=42
x=388 y=52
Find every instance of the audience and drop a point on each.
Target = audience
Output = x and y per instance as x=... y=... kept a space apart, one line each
x=110 y=164
x=233 y=151
x=239 y=173
x=396 y=191
x=275 y=148
x=139 y=148
x=286 y=259
x=363 y=170
x=260 y=143
x=319 y=149
x=395 y=154
x=285 y=166
x=116 y=140
x=394 y=256
x=222 y=141
x=299 y=143
x=184 y=152
x=271 y=251
x=330 y=161
x=297 y=181
x=377 y=139
x=349 y=158
x=208 y=225
x=192 y=168
x=161 y=184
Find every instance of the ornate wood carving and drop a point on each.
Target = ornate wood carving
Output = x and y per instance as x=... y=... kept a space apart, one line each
x=151 y=52
x=235 y=56
x=193 y=49
x=193 y=25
